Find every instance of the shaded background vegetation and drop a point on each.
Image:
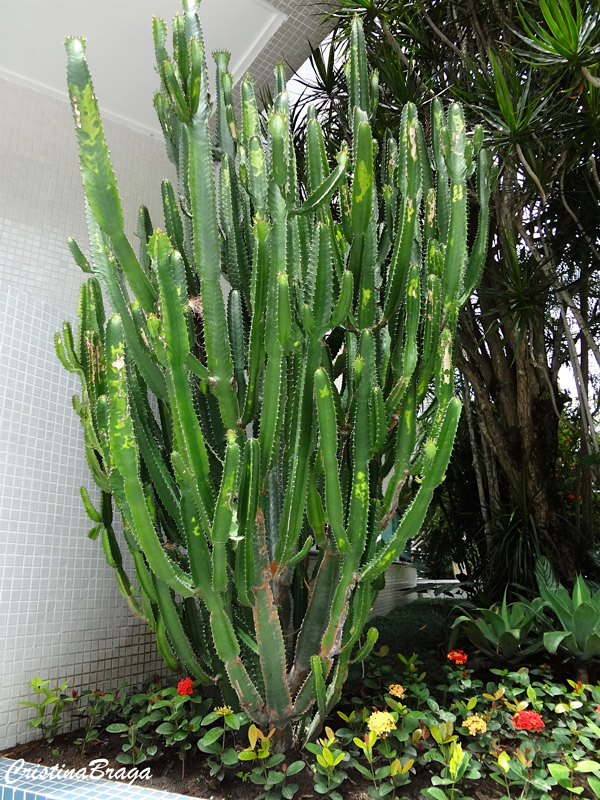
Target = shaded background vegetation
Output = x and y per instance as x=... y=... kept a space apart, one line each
x=524 y=475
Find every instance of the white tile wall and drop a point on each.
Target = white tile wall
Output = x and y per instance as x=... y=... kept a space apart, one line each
x=41 y=197
x=61 y=615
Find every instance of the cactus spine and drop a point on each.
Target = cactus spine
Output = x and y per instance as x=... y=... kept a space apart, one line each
x=285 y=414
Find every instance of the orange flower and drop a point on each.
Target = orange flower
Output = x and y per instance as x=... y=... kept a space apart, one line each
x=396 y=690
x=475 y=724
x=458 y=656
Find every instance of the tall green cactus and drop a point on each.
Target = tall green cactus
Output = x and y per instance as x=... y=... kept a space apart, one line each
x=289 y=410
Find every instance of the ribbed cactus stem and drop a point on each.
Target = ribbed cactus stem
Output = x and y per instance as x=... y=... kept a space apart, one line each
x=260 y=385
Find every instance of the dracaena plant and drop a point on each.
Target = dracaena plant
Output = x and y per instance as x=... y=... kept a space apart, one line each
x=236 y=429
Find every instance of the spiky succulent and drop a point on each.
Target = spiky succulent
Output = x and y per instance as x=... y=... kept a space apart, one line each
x=238 y=429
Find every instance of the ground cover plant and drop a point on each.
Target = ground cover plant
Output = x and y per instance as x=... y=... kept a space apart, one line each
x=235 y=433
x=473 y=730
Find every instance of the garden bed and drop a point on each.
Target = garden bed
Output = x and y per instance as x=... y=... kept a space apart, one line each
x=166 y=776
x=437 y=710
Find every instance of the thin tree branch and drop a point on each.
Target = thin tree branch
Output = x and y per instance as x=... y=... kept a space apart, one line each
x=591 y=78
x=575 y=218
x=483 y=504
x=393 y=43
x=496 y=438
x=539 y=363
x=481 y=40
x=586 y=413
x=531 y=173
x=560 y=292
x=594 y=171
x=442 y=36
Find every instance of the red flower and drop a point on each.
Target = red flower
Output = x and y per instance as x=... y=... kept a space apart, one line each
x=185 y=687
x=598 y=710
x=458 y=656
x=74 y=693
x=528 y=721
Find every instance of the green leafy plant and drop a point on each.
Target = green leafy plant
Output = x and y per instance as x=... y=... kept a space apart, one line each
x=214 y=741
x=99 y=706
x=265 y=773
x=281 y=412
x=578 y=614
x=565 y=39
x=510 y=631
x=564 y=773
x=181 y=715
x=139 y=739
x=400 y=773
x=48 y=700
x=137 y=727
x=458 y=767
x=328 y=774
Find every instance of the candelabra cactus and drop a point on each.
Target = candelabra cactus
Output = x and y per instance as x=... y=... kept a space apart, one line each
x=289 y=417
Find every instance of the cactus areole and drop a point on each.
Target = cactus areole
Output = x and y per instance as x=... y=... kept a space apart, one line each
x=240 y=430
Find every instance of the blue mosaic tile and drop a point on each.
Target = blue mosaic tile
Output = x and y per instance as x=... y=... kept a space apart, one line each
x=28 y=787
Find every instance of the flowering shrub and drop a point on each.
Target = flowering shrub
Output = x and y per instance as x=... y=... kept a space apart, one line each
x=381 y=722
x=185 y=687
x=396 y=690
x=458 y=656
x=475 y=724
x=522 y=730
x=528 y=721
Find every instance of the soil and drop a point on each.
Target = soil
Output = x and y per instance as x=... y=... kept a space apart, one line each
x=166 y=773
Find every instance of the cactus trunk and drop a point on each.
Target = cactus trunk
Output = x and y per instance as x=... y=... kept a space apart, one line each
x=297 y=413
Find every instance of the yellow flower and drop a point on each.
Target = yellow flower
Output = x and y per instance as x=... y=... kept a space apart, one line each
x=396 y=690
x=475 y=724
x=381 y=722
x=223 y=711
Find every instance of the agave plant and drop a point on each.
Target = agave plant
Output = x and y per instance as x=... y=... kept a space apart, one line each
x=578 y=615
x=509 y=630
x=258 y=396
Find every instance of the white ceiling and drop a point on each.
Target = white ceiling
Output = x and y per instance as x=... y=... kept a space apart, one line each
x=119 y=45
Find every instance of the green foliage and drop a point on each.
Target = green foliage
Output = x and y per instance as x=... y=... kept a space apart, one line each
x=564 y=38
x=329 y=776
x=515 y=631
x=510 y=631
x=214 y=740
x=578 y=614
x=49 y=705
x=99 y=706
x=136 y=725
x=524 y=730
x=266 y=774
x=288 y=413
x=180 y=719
